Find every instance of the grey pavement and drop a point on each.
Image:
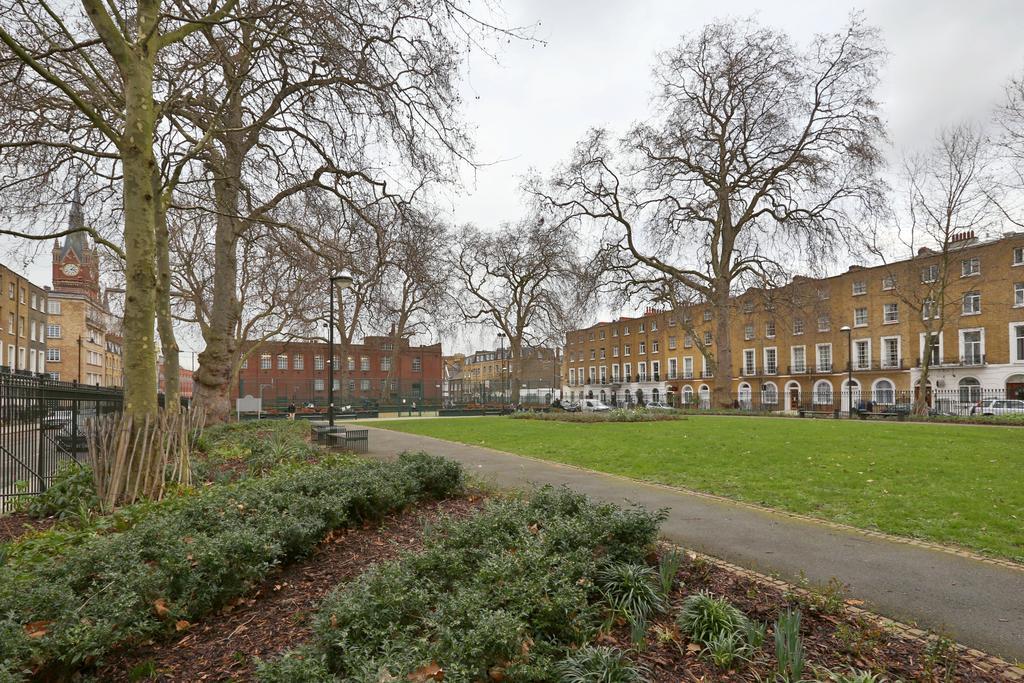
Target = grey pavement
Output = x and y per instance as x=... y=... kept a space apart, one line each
x=980 y=604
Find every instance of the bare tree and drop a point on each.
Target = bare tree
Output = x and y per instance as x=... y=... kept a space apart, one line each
x=515 y=280
x=946 y=192
x=97 y=63
x=757 y=156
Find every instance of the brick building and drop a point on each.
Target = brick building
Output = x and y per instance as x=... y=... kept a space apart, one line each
x=486 y=376
x=789 y=348
x=83 y=338
x=22 y=323
x=186 y=382
x=382 y=371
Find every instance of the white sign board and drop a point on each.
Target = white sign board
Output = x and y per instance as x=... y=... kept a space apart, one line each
x=248 y=404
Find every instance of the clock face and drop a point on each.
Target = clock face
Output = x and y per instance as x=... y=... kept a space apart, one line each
x=70 y=269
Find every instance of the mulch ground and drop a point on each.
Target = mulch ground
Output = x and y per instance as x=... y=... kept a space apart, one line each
x=834 y=638
x=16 y=524
x=276 y=615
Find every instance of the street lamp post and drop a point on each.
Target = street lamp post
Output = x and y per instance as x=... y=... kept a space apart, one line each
x=343 y=280
x=849 y=369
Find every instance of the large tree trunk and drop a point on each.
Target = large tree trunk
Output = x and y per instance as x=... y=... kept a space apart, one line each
x=140 y=370
x=722 y=363
x=165 y=324
x=515 y=348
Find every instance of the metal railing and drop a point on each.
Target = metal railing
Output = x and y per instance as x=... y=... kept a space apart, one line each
x=42 y=425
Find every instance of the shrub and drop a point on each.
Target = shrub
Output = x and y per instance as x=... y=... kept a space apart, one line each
x=591 y=664
x=614 y=415
x=511 y=589
x=705 y=617
x=187 y=556
x=725 y=649
x=72 y=492
x=631 y=590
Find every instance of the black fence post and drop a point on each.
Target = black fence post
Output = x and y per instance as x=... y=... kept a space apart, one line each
x=41 y=451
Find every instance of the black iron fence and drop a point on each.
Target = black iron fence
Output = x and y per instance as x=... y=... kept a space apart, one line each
x=42 y=425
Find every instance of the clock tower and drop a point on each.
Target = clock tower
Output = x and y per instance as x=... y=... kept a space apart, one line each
x=76 y=263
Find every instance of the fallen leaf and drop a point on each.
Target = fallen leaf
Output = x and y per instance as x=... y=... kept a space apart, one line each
x=693 y=647
x=160 y=607
x=36 y=629
x=181 y=625
x=854 y=602
x=496 y=674
x=430 y=672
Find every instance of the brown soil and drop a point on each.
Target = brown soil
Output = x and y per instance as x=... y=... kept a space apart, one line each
x=275 y=616
x=17 y=524
x=834 y=637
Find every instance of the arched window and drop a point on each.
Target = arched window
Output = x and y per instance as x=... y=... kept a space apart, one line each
x=615 y=398
x=687 y=395
x=705 y=396
x=884 y=392
x=744 y=395
x=823 y=393
x=769 y=394
x=970 y=390
x=654 y=395
x=604 y=397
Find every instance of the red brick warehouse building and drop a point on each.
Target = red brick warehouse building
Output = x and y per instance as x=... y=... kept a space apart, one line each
x=382 y=371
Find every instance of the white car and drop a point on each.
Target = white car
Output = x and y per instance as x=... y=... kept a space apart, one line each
x=998 y=406
x=592 y=405
x=658 y=405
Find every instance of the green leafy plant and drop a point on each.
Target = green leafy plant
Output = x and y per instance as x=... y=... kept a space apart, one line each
x=725 y=650
x=72 y=493
x=855 y=676
x=705 y=617
x=668 y=568
x=631 y=590
x=789 y=647
x=591 y=664
x=754 y=633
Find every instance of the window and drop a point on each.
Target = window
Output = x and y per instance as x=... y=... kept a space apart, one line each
x=860 y=288
x=860 y=317
x=824 y=354
x=929 y=309
x=748 y=332
x=32 y=329
x=769 y=329
x=749 y=362
x=1018 y=294
x=673 y=368
x=364 y=385
x=748 y=306
x=21 y=295
x=671 y=321
x=972 y=344
x=862 y=354
x=1018 y=256
x=572 y=376
x=798 y=326
x=655 y=346
x=799 y=358
x=364 y=363
x=626 y=370
x=641 y=370
x=318 y=362
x=282 y=362
x=642 y=348
x=931 y=348
x=823 y=294
x=602 y=353
x=53 y=307
x=671 y=343
x=688 y=367
x=1017 y=341
x=10 y=323
x=603 y=374
x=707 y=338
x=615 y=352
x=687 y=340
x=656 y=370
x=245 y=363
x=884 y=392
x=615 y=373
x=654 y=326
x=888 y=283
x=930 y=273
x=298 y=362
x=707 y=314
x=626 y=350
x=615 y=332
x=890 y=352
x=265 y=361
x=890 y=313
x=769 y=394
x=970 y=390
x=417 y=364
x=642 y=328
x=771 y=361
x=53 y=355
x=822 y=394
x=601 y=335
x=385 y=364
x=625 y=330
x=970 y=266
x=824 y=324
x=972 y=303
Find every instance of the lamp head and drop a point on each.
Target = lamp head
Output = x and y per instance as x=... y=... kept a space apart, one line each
x=343 y=279
x=844 y=328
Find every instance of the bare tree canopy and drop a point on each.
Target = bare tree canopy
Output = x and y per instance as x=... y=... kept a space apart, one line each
x=758 y=153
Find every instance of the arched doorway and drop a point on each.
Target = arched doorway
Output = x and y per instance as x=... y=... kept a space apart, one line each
x=743 y=396
x=654 y=395
x=847 y=394
x=970 y=391
x=705 y=396
x=793 y=394
x=1015 y=387
x=687 y=396
x=769 y=396
x=604 y=397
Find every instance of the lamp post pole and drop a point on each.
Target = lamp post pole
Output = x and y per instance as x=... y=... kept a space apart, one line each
x=849 y=369
x=345 y=281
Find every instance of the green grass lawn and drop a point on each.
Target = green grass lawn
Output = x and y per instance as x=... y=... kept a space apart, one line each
x=950 y=484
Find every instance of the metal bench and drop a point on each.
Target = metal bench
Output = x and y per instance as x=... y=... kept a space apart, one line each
x=322 y=432
x=357 y=440
x=811 y=411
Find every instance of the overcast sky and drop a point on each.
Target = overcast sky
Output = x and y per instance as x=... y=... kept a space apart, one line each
x=949 y=60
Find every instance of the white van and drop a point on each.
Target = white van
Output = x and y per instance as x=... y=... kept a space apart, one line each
x=592 y=405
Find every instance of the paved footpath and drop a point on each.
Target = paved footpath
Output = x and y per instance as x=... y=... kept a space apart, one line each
x=981 y=604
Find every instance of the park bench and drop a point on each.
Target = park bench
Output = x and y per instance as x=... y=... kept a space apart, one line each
x=873 y=411
x=349 y=440
x=817 y=411
x=321 y=432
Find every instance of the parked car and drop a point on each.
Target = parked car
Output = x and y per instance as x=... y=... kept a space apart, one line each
x=592 y=405
x=658 y=405
x=998 y=406
x=571 y=407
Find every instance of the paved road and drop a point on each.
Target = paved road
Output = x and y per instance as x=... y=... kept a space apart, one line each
x=981 y=604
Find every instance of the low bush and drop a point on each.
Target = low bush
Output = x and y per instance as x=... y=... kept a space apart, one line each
x=631 y=590
x=614 y=415
x=239 y=449
x=72 y=492
x=187 y=556
x=505 y=595
x=705 y=617
x=592 y=664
